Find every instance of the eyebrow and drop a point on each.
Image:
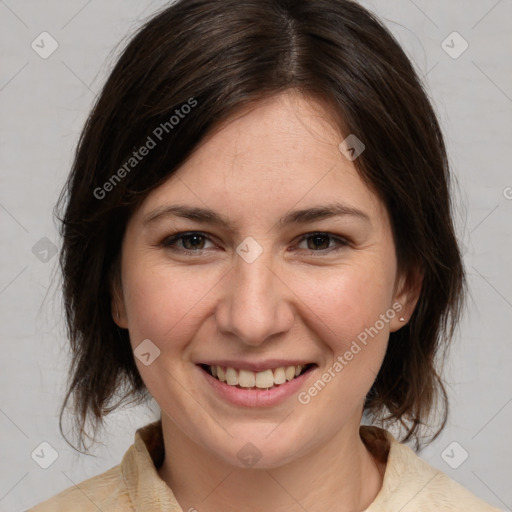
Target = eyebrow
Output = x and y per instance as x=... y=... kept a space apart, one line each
x=208 y=216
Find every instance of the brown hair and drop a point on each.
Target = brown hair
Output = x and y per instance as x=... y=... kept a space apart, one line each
x=217 y=56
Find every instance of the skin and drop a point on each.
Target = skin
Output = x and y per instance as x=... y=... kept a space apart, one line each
x=296 y=300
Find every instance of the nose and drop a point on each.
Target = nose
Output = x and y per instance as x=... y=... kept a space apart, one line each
x=257 y=303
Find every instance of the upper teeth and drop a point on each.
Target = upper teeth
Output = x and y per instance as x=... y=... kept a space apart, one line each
x=247 y=379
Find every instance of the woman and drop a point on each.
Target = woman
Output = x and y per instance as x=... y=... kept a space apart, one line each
x=258 y=234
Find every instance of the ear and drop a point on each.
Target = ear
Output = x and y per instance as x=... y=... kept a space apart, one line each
x=407 y=293
x=118 y=308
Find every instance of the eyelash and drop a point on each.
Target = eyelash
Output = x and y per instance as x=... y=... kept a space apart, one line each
x=170 y=242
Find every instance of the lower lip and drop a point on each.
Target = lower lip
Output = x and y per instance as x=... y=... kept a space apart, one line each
x=256 y=397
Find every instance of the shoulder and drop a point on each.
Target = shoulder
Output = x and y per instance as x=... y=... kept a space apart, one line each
x=410 y=483
x=132 y=485
x=106 y=492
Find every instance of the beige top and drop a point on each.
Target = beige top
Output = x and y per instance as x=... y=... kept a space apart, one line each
x=410 y=484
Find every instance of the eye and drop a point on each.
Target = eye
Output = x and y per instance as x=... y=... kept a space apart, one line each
x=320 y=242
x=192 y=241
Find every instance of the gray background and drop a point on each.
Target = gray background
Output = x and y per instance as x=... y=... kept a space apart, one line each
x=44 y=103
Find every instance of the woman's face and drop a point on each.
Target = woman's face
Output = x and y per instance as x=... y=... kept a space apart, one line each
x=260 y=292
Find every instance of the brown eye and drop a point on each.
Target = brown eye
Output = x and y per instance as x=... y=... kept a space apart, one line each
x=191 y=241
x=319 y=242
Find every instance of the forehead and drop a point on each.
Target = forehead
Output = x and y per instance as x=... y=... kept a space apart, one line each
x=279 y=154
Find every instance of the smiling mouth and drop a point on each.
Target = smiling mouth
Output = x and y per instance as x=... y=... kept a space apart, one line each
x=267 y=379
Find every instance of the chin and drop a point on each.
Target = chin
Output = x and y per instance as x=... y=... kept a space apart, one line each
x=256 y=449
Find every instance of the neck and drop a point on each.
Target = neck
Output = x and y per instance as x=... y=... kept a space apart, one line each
x=341 y=475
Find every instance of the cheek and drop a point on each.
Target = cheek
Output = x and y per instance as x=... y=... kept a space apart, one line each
x=162 y=304
x=348 y=303
x=349 y=299
x=353 y=309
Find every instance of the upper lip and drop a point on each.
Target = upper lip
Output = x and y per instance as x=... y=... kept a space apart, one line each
x=255 y=366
